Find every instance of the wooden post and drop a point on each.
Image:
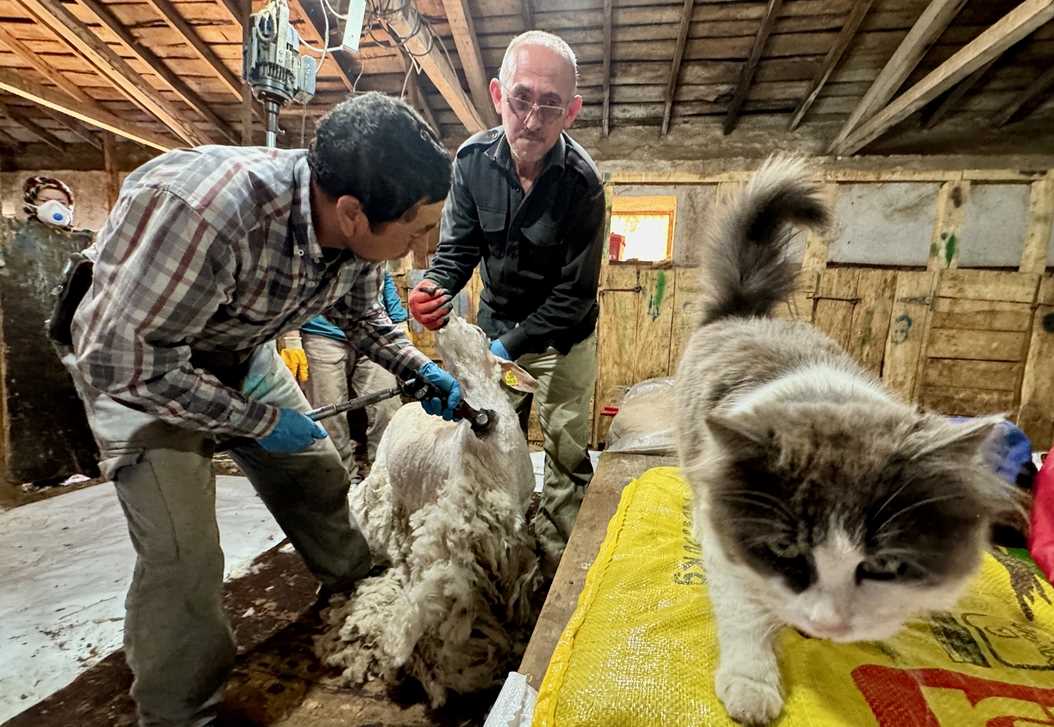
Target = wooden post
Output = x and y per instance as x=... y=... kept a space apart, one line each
x=247 y=94
x=1040 y=225
x=606 y=114
x=944 y=244
x=109 y=160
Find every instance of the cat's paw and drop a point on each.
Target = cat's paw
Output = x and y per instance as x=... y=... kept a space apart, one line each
x=749 y=699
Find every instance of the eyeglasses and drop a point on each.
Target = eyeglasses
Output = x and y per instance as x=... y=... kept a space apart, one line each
x=523 y=108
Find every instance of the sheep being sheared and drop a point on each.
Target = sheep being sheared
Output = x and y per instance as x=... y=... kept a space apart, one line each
x=447 y=510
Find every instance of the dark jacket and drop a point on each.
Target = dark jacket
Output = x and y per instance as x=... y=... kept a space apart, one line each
x=541 y=253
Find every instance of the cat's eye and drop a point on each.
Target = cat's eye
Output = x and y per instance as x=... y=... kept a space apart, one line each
x=784 y=548
x=884 y=568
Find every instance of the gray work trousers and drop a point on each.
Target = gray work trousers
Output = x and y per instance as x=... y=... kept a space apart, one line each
x=177 y=639
x=563 y=396
x=330 y=363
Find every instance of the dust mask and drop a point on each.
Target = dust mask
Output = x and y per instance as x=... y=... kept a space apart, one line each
x=55 y=213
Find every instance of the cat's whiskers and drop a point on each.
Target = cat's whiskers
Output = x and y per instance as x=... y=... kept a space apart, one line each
x=915 y=505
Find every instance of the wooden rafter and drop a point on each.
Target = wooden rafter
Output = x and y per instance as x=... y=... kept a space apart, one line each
x=6 y=140
x=33 y=127
x=1038 y=87
x=231 y=9
x=93 y=115
x=990 y=44
x=108 y=20
x=678 y=59
x=27 y=55
x=831 y=60
x=55 y=16
x=463 y=28
x=933 y=21
x=608 y=13
x=407 y=25
x=298 y=11
x=186 y=33
x=746 y=75
x=527 y=13
x=957 y=94
x=417 y=96
x=73 y=126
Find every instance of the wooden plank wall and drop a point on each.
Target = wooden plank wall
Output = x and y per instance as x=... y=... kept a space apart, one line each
x=959 y=341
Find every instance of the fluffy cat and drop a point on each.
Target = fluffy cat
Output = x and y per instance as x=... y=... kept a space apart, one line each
x=821 y=500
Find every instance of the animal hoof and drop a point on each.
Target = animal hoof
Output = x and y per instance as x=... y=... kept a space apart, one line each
x=749 y=700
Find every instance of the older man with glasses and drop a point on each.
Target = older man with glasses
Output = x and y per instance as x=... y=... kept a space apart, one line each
x=527 y=201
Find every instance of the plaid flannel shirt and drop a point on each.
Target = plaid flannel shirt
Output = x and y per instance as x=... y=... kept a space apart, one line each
x=213 y=249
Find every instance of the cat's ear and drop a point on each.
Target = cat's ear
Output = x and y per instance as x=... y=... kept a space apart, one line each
x=738 y=432
x=965 y=439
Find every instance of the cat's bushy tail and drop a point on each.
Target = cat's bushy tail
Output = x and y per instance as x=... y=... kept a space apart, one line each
x=744 y=266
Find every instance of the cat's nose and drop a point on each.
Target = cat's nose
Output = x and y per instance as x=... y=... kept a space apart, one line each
x=828 y=628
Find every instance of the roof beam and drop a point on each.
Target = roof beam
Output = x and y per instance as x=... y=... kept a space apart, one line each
x=186 y=33
x=831 y=60
x=989 y=45
x=73 y=126
x=15 y=83
x=417 y=96
x=234 y=13
x=1035 y=89
x=957 y=94
x=297 y=10
x=746 y=75
x=407 y=24
x=6 y=140
x=24 y=53
x=151 y=61
x=463 y=28
x=675 y=67
x=608 y=12
x=55 y=16
x=933 y=21
x=33 y=128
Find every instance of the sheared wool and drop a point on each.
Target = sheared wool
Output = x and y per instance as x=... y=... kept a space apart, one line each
x=447 y=510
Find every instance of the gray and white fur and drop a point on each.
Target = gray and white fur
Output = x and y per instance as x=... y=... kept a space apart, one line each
x=821 y=500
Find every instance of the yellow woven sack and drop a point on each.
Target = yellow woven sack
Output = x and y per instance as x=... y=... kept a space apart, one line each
x=640 y=649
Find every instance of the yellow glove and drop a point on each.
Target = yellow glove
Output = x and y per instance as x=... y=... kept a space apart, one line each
x=296 y=361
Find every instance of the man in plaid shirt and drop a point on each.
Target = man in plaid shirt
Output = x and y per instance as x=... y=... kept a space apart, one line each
x=208 y=254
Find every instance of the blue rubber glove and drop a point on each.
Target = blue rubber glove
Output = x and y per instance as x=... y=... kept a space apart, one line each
x=498 y=349
x=447 y=384
x=294 y=432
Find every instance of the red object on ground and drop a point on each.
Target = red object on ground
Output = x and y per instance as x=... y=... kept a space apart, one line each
x=1041 y=533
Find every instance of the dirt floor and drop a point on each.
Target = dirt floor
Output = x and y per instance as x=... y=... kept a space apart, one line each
x=277 y=679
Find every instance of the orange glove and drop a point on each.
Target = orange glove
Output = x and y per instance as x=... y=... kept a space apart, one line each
x=429 y=305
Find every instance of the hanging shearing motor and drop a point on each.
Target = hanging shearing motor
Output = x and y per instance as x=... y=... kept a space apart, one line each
x=273 y=66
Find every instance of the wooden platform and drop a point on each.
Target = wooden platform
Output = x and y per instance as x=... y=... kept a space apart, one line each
x=614 y=472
